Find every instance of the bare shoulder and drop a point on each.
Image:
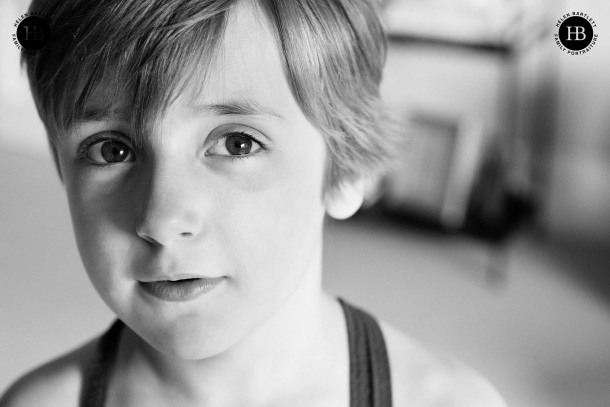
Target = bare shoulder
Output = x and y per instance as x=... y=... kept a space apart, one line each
x=56 y=383
x=422 y=378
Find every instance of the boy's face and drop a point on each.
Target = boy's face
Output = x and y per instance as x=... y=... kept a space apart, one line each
x=234 y=197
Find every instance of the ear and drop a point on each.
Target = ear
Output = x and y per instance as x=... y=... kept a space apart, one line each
x=345 y=199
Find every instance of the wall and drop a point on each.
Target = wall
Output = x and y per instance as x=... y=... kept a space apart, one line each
x=561 y=118
x=578 y=205
x=20 y=127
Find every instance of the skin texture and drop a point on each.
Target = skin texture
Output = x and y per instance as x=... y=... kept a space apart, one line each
x=178 y=206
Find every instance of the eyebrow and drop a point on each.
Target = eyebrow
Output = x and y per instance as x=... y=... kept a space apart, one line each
x=244 y=107
x=99 y=114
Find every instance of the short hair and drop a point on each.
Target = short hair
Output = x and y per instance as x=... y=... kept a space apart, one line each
x=333 y=52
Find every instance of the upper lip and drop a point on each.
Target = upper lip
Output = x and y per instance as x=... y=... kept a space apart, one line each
x=178 y=277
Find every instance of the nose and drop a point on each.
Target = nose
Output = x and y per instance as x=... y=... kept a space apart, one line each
x=169 y=211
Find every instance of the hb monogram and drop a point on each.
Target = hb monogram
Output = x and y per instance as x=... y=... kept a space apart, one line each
x=578 y=32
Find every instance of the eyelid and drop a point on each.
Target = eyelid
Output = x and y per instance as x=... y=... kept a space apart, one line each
x=101 y=136
x=225 y=129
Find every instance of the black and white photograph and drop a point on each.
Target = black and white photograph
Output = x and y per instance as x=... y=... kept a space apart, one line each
x=304 y=203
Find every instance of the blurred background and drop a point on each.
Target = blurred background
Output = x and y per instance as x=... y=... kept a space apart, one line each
x=489 y=240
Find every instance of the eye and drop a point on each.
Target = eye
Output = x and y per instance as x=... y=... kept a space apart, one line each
x=235 y=144
x=109 y=151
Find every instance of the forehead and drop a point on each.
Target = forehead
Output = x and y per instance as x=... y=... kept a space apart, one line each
x=248 y=62
x=245 y=72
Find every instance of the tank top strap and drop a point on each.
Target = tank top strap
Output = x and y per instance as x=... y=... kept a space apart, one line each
x=370 y=384
x=98 y=372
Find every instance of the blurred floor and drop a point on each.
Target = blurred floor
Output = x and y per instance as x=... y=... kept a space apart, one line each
x=521 y=314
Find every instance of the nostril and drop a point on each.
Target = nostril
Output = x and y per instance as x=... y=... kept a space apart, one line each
x=150 y=239
x=161 y=227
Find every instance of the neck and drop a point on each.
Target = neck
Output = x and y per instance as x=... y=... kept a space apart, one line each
x=280 y=360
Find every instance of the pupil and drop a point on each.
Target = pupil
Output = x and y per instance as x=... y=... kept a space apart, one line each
x=238 y=145
x=114 y=151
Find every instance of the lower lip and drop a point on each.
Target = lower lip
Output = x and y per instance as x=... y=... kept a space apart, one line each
x=181 y=290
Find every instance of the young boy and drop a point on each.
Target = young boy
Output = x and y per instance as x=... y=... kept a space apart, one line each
x=201 y=143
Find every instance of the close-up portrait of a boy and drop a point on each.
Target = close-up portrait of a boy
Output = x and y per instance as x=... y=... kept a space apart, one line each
x=201 y=144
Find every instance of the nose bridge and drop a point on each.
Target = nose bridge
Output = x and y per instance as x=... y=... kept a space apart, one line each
x=168 y=207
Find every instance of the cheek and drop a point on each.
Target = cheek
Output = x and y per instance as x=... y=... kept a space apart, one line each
x=101 y=232
x=276 y=214
x=91 y=205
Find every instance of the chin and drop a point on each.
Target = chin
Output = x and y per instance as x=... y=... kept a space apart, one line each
x=189 y=342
